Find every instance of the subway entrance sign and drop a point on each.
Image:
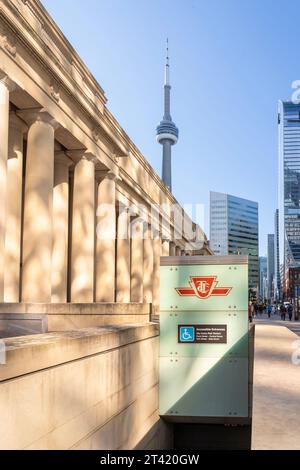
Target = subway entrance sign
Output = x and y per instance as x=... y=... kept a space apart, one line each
x=204 y=338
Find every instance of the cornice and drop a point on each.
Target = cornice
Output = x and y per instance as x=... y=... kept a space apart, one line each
x=62 y=71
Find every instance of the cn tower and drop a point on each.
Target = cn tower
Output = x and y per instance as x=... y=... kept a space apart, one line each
x=166 y=131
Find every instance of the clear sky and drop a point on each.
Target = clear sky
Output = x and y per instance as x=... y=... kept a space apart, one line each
x=231 y=60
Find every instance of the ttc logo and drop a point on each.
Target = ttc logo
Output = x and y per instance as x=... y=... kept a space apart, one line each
x=203 y=287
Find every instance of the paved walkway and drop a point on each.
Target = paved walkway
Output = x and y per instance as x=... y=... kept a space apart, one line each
x=276 y=386
x=276 y=320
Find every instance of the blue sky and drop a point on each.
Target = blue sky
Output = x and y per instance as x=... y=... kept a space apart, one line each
x=231 y=60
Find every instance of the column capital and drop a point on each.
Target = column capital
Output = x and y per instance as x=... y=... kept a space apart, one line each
x=17 y=123
x=7 y=82
x=156 y=235
x=33 y=115
x=165 y=237
x=89 y=156
x=109 y=175
x=61 y=157
x=81 y=154
x=113 y=176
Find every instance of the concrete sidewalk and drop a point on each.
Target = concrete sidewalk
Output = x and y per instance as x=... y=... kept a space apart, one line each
x=293 y=325
x=276 y=389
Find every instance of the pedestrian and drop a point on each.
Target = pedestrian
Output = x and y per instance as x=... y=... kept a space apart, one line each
x=282 y=311
x=250 y=311
x=264 y=307
x=290 y=311
x=269 y=309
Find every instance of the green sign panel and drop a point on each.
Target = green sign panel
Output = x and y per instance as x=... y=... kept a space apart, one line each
x=204 y=337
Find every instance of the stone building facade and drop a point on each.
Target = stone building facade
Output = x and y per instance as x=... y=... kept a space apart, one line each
x=84 y=220
x=65 y=162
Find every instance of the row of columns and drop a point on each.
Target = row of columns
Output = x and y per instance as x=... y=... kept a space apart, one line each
x=55 y=246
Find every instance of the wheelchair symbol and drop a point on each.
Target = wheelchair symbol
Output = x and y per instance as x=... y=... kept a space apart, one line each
x=186 y=334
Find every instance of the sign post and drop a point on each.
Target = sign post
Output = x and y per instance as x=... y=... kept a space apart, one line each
x=204 y=338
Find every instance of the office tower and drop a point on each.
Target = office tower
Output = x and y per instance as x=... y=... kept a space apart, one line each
x=234 y=230
x=277 y=280
x=263 y=277
x=289 y=184
x=270 y=267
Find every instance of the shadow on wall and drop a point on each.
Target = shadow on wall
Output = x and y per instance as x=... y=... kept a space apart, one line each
x=159 y=437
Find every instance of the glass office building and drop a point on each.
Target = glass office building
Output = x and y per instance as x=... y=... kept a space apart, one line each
x=271 y=266
x=234 y=230
x=277 y=271
x=289 y=184
x=263 y=281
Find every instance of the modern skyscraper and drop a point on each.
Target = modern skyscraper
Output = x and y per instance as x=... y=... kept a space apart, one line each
x=263 y=277
x=270 y=267
x=289 y=184
x=277 y=279
x=166 y=131
x=234 y=230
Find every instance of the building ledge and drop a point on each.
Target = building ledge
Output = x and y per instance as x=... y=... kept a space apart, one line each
x=27 y=354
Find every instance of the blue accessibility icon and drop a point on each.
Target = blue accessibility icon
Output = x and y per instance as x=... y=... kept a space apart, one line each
x=186 y=334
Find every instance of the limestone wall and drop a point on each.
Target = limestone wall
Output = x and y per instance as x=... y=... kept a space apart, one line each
x=95 y=388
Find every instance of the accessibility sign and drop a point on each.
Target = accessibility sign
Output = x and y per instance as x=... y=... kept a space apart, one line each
x=186 y=334
x=202 y=334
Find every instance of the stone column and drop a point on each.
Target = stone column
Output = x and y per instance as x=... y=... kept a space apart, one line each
x=123 y=257
x=83 y=230
x=148 y=265
x=14 y=209
x=37 y=232
x=137 y=265
x=106 y=239
x=5 y=87
x=172 y=249
x=156 y=274
x=166 y=229
x=178 y=251
x=60 y=227
x=165 y=248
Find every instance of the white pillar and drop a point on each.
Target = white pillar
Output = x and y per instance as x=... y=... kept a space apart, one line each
x=60 y=228
x=165 y=247
x=137 y=265
x=178 y=251
x=83 y=230
x=166 y=229
x=172 y=249
x=106 y=239
x=156 y=274
x=4 y=118
x=37 y=233
x=14 y=210
x=148 y=265
x=123 y=257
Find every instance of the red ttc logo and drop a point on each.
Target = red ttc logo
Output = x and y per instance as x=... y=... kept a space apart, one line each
x=203 y=287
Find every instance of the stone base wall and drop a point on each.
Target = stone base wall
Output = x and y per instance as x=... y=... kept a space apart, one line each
x=95 y=388
x=18 y=319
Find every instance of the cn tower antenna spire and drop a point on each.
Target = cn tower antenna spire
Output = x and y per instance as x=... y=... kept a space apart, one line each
x=167 y=66
x=166 y=131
